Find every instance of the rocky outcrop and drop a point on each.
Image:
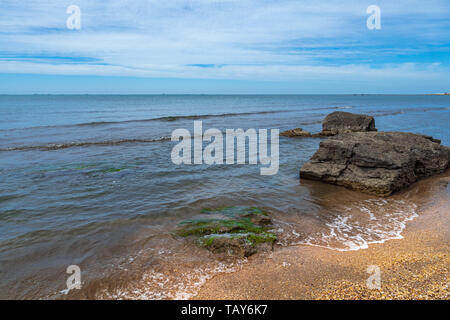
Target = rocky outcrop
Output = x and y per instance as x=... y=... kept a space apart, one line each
x=335 y=123
x=340 y=122
x=297 y=132
x=234 y=231
x=376 y=162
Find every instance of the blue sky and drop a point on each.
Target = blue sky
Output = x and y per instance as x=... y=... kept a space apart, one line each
x=224 y=46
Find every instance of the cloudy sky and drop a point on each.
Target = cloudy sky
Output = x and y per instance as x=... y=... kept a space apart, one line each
x=224 y=46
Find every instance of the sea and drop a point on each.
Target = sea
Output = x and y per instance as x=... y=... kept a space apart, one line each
x=88 y=181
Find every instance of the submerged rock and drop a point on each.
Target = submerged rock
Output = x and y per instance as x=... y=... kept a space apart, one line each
x=376 y=162
x=237 y=244
x=340 y=122
x=236 y=231
x=297 y=132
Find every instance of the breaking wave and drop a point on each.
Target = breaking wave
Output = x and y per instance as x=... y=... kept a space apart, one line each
x=59 y=146
x=157 y=285
x=354 y=228
x=164 y=119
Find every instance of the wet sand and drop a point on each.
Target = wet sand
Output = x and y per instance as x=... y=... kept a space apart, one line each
x=415 y=267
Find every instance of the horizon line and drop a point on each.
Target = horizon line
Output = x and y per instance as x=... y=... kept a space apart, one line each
x=225 y=94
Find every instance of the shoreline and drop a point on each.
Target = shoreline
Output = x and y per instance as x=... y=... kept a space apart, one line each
x=414 y=267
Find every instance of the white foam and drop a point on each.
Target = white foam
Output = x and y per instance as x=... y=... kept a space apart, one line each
x=156 y=285
x=345 y=107
x=385 y=220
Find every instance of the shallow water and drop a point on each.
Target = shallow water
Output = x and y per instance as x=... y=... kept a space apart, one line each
x=88 y=180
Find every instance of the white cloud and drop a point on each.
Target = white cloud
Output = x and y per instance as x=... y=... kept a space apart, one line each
x=250 y=38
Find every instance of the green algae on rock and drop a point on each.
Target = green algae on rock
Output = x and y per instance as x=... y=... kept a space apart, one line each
x=236 y=231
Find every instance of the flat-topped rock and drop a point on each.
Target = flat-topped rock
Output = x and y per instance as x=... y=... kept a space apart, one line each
x=297 y=132
x=376 y=162
x=340 y=122
x=335 y=123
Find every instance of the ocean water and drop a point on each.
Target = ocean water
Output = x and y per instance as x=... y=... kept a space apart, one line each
x=88 y=180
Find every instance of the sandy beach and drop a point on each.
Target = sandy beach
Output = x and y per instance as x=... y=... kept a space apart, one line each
x=415 y=267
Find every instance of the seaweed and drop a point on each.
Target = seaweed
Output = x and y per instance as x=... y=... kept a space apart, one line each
x=239 y=227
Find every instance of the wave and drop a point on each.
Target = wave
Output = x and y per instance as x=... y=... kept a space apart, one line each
x=330 y=108
x=182 y=285
x=385 y=113
x=60 y=146
x=7 y=197
x=307 y=123
x=164 y=119
x=177 y=118
x=381 y=113
x=368 y=222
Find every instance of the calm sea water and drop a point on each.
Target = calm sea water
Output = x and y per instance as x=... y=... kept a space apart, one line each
x=88 y=181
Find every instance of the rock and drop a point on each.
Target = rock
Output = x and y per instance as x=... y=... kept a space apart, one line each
x=297 y=132
x=232 y=245
x=432 y=139
x=376 y=162
x=339 y=122
x=236 y=231
x=237 y=244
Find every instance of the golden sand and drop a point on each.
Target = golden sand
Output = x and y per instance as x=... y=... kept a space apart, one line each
x=415 y=267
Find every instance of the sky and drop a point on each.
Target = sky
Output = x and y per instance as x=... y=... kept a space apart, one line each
x=224 y=47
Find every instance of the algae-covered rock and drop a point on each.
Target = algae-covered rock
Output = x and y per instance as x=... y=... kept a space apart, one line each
x=236 y=231
x=237 y=244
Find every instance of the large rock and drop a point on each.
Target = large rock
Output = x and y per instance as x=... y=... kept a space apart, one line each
x=340 y=122
x=376 y=162
x=337 y=122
